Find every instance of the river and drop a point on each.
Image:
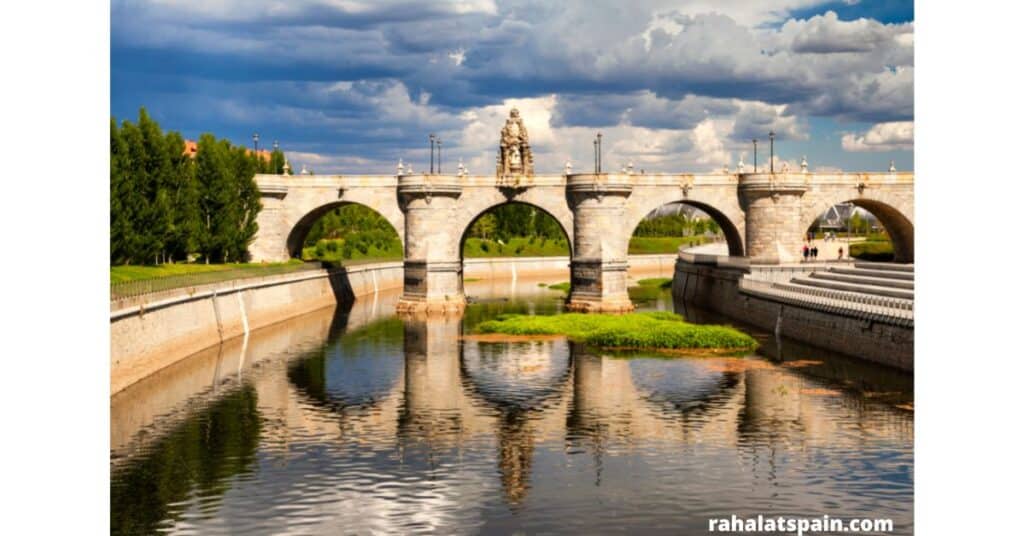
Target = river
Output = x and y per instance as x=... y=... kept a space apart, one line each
x=350 y=420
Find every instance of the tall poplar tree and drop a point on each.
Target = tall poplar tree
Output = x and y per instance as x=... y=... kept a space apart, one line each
x=121 y=228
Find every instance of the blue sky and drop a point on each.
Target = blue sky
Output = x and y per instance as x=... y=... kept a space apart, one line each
x=351 y=86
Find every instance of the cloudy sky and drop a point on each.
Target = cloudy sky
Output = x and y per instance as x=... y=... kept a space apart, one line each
x=351 y=86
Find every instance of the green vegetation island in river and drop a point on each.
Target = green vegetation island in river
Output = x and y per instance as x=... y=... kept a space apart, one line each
x=647 y=330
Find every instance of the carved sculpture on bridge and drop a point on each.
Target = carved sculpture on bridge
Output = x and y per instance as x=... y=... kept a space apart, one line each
x=514 y=155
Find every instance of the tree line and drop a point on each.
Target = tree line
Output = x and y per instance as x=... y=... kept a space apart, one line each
x=166 y=206
x=676 y=225
x=515 y=220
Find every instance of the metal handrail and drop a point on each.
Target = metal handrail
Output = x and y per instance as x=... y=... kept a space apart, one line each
x=876 y=305
x=132 y=289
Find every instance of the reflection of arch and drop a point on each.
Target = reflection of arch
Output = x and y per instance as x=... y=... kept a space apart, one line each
x=686 y=384
x=896 y=223
x=733 y=232
x=464 y=226
x=298 y=232
x=323 y=376
x=501 y=393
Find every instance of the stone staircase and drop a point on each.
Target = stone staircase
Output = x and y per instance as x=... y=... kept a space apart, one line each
x=874 y=279
x=872 y=289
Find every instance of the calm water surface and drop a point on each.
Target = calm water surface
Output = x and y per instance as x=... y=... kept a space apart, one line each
x=353 y=421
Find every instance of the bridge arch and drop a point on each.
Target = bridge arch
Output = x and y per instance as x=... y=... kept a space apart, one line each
x=300 y=229
x=732 y=226
x=549 y=199
x=889 y=210
x=465 y=226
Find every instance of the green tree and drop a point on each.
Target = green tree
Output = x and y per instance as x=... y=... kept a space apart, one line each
x=184 y=199
x=122 y=231
x=214 y=188
x=165 y=206
x=245 y=206
x=276 y=162
x=485 y=226
x=156 y=185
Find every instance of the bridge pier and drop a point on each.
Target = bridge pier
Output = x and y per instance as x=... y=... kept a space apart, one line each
x=433 y=266
x=598 y=265
x=773 y=213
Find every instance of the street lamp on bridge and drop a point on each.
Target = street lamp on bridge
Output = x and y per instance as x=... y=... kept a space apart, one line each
x=439 y=154
x=755 y=155
x=433 y=138
x=597 y=153
x=771 y=156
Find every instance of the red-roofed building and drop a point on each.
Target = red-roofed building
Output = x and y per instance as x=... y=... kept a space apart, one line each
x=191 y=148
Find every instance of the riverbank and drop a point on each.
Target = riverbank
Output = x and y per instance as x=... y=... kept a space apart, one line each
x=862 y=327
x=151 y=331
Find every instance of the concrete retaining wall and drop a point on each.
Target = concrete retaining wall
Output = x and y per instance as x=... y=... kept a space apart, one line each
x=717 y=289
x=509 y=268
x=151 y=332
x=148 y=333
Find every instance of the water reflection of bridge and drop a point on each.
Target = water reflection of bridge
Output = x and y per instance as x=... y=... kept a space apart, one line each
x=425 y=393
x=448 y=392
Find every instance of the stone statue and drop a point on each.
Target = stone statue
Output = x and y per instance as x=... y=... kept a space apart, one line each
x=514 y=156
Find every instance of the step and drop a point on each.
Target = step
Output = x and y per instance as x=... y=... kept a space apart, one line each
x=865 y=280
x=886 y=274
x=888 y=266
x=854 y=287
x=839 y=297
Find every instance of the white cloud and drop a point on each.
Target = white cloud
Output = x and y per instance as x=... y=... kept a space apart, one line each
x=892 y=136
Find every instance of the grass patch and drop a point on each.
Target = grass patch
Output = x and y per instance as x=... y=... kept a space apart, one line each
x=872 y=250
x=471 y=279
x=660 y=282
x=354 y=248
x=131 y=272
x=563 y=286
x=640 y=245
x=634 y=330
x=517 y=246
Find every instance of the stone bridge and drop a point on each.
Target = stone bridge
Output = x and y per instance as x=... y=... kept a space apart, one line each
x=763 y=216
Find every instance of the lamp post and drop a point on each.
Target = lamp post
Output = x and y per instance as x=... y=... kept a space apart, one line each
x=256 y=143
x=755 y=155
x=595 y=155
x=439 y=154
x=432 y=138
x=771 y=145
x=598 y=152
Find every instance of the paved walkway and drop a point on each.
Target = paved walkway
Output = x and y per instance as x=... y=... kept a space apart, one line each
x=827 y=251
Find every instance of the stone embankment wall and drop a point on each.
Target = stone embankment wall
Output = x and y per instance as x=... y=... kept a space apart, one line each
x=148 y=333
x=151 y=332
x=508 y=268
x=717 y=289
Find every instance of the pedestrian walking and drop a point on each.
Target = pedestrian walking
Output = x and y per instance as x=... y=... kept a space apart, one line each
x=814 y=253
x=806 y=251
x=840 y=253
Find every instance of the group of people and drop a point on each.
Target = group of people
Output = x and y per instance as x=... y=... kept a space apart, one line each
x=810 y=253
